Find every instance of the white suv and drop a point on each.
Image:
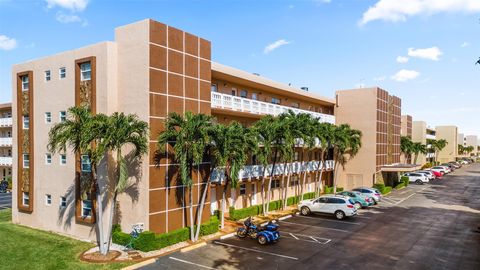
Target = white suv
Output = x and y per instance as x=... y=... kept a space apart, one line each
x=417 y=178
x=339 y=206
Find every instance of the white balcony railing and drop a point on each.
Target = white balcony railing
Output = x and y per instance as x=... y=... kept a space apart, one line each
x=255 y=171
x=430 y=155
x=431 y=137
x=6 y=122
x=6 y=161
x=224 y=101
x=6 y=141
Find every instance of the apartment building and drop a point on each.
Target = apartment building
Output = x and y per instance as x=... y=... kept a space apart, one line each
x=422 y=133
x=150 y=69
x=5 y=141
x=378 y=115
x=450 y=134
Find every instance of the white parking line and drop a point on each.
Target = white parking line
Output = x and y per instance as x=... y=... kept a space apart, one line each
x=192 y=263
x=315 y=238
x=293 y=236
x=333 y=229
x=255 y=250
x=346 y=222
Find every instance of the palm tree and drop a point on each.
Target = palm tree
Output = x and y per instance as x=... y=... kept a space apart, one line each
x=346 y=144
x=437 y=146
x=290 y=129
x=123 y=130
x=231 y=146
x=406 y=147
x=417 y=148
x=323 y=133
x=189 y=138
x=307 y=137
x=80 y=132
x=461 y=149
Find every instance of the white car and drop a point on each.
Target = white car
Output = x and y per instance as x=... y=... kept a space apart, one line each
x=417 y=178
x=429 y=174
x=337 y=205
x=443 y=169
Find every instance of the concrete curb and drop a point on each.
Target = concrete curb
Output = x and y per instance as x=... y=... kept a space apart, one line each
x=192 y=247
x=285 y=217
x=140 y=264
x=226 y=236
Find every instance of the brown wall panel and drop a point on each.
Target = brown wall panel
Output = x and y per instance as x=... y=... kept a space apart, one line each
x=175 y=38
x=158 y=175
x=175 y=85
x=175 y=62
x=175 y=220
x=158 y=57
x=205 y=108
x=191 y=106
x=156 y=126
x=205 y=49
x=158 y=33
x=158 y=106
x=157 y=200
x=191 y=66
x=158 y=223
x=205 y=70
x=191 y=44
x=191 y=88
x=205 y=91
x=158 y=81
x=175 y=105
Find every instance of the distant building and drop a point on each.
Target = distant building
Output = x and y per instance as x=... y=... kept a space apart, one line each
x=450 y=134
x=5 y=140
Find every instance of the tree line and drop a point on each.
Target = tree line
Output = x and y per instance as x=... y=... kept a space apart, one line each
x=409 y=148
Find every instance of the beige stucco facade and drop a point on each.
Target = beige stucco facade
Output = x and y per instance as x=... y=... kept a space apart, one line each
x=450 y=134
x=472 y=140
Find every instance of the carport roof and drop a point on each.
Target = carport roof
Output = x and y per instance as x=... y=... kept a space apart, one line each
x=400 y=167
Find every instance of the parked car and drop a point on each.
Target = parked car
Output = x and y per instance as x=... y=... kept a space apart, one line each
x=464 y=162
x=429 y=174
x=447 y=168
x=358 y=198
x=338 y=205
x=452 y=168
x=417 y=178
x=441 y=169
x=456 y=164
x=370 y=192
x=437 y=174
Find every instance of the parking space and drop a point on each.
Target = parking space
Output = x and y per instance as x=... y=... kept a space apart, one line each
x=378 y=236
x=5 y=201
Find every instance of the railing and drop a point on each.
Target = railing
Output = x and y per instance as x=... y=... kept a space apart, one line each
x=6 y=122
x=431 y=137
x=430 y=155
x=224 y=101
x=255 y=171
x=6 y=141
x=6 y=161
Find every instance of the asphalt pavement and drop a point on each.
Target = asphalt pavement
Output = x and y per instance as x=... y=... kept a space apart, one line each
x=431 y=226
x=5 y=200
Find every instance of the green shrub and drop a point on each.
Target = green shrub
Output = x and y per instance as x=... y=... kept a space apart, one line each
x=145 y=241
x=386 y=190
x=236 y=214
x=121 y=238
x=171 y=238
x=210 y=227
x=380 y=187
x=400 y=185
x=328 y=190
x=405 y=180
x=427 y=165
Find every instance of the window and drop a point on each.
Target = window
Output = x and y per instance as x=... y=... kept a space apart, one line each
x=25 y=83
x=234 y=92
x=48 y=159
x=295 y=105
x=48 y=117
x=243 y=189
x=243 y=93
x=295 y=157
x=85 y=71
x=275 y=183
x=214 y=87
x=85 y=164
x=26 y=122
x=47 y=75
x=63 y=116
x=25 y=199
x=294 y=181
x=48 y=199
x=63 y=202
x=63 y=159
x=62 y=72
x=86 y=208
x=275 y=100
x=26 y=161
x=254 y=96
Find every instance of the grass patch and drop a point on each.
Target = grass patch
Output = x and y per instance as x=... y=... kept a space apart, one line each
x=26 y=248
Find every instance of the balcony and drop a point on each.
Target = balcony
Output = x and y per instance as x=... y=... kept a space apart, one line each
x=431 y=137
x=6 y=122
x=224 y=101
x=6 y=161
x=430 y=155
x=6 y=141
x=255 y=171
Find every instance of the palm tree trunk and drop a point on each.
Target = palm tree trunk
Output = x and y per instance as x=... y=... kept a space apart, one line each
x=289 y=174
x=101 y=233
x=335 y=175
x=304 y=175
x=114 y=204
x=322 y=162
x=284 y=198
x=224 y=202
x=202 y=204
x=270 y=181
x=192 y=223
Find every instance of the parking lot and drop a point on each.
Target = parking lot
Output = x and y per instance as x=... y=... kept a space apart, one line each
x=5 y=200
x=431 y=226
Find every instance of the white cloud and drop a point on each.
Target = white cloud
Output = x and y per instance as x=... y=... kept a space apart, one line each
x=399 y=11
x=379 y=79
x=465 y=44
x=275 y=45
x=70 y=18
x=72 y=5
x=432 y=53
x=405 y=75
x=7 y=43
x=402 y=59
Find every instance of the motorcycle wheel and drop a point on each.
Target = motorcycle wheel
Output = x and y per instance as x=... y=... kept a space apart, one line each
x=262 y=240
x=241 y=233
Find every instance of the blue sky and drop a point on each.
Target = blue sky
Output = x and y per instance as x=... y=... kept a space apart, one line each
x=421 y=50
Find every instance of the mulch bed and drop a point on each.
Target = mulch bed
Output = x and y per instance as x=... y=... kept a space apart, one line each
x=99 y=258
